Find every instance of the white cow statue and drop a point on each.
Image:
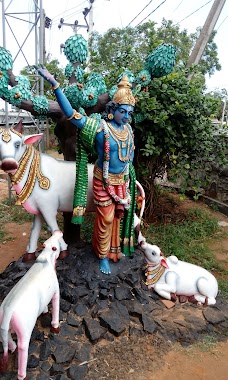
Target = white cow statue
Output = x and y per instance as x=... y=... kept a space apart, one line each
x=43 y=184
x=27 y=300
x=170 y=277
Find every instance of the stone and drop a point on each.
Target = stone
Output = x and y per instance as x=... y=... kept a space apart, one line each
x=37 y=335
x=92 y=298
x=80 y=309
x=120 y=308
x=45 y=350
x=72 y=320
x=63 y=354
x=76 y=372
x=64 y=305
x=103 y=294
x=141 y=296
x=33 y=347
x=68 y=331
x=42 y=376
x=56 y=369
x=93 y=329
x=45 y=365
x=33 y=361
x=81 y=291
x=83 y=353
x=61 y=377
x=134 y=308
x=148 y=324
x=123 y=293
x=113 y=321
x=213 y=316
x=132 y=279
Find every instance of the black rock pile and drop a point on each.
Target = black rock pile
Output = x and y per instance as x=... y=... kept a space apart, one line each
x=98 y=309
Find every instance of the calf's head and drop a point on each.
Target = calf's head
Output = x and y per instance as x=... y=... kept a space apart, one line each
x=153 y=254
x=13 y=145
x=51 y=249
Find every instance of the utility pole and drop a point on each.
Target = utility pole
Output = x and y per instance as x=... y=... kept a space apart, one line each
x=204 y=36
x=90 y=31
x=4 y=45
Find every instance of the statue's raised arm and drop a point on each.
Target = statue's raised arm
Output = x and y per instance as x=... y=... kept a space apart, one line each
x=75 y=117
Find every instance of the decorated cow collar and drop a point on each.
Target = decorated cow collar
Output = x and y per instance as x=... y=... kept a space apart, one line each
x=34 y=173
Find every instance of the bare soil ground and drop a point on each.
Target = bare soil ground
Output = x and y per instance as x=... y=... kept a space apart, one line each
x=192 y=363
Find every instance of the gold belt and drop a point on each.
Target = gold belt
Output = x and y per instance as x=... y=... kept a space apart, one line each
x=115 y=179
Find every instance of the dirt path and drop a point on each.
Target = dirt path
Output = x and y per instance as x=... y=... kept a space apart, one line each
x=193 y=363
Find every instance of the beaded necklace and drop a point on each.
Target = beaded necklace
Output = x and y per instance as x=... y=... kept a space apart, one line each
x=108 y=187
x=123 y=136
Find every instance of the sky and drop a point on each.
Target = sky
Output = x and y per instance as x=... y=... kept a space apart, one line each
x=106 y=14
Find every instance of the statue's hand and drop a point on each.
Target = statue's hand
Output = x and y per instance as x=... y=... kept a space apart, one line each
x=46 y=75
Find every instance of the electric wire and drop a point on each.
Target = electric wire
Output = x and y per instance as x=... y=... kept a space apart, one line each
x=193 y=12
x=55 y=20
x=140 y=12
x=178 y=6
x=60 y=14
x=221 y=23
x=151 y=13
x=66 y=18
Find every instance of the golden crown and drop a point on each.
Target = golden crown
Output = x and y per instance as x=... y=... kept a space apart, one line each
x=124 y=95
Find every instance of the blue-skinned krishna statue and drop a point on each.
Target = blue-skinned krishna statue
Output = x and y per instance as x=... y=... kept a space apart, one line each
x=113 y=179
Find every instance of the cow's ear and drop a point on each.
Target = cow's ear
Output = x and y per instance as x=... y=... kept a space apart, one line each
x=30 y=139
x=19 y=127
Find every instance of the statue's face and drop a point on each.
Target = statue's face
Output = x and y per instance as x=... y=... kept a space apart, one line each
x=123 y=114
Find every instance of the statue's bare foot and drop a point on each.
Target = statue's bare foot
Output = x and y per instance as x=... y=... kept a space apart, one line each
x=104 y=266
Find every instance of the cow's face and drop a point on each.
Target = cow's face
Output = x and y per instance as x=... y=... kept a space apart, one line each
x=151 y=252
x=12 y=146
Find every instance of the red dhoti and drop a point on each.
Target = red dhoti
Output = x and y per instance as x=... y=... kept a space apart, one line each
x=106 y=235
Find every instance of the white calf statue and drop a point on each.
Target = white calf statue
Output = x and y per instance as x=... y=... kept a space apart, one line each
x=43 y=184
x=170 y=277
x=27 y=300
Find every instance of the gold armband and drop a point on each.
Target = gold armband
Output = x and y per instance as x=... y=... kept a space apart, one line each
x=55 y=86
x=76 y=115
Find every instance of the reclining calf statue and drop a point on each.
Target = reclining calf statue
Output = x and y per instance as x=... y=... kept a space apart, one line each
x=27 y=300
x=43 y=184
x=170 y=277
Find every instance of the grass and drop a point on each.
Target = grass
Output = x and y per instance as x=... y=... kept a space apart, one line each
x=207 y=344
x=11 y=214
x=87 y=228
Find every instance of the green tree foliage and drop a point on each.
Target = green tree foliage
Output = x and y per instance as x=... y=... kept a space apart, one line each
x=120 y=49
x=177 y=135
